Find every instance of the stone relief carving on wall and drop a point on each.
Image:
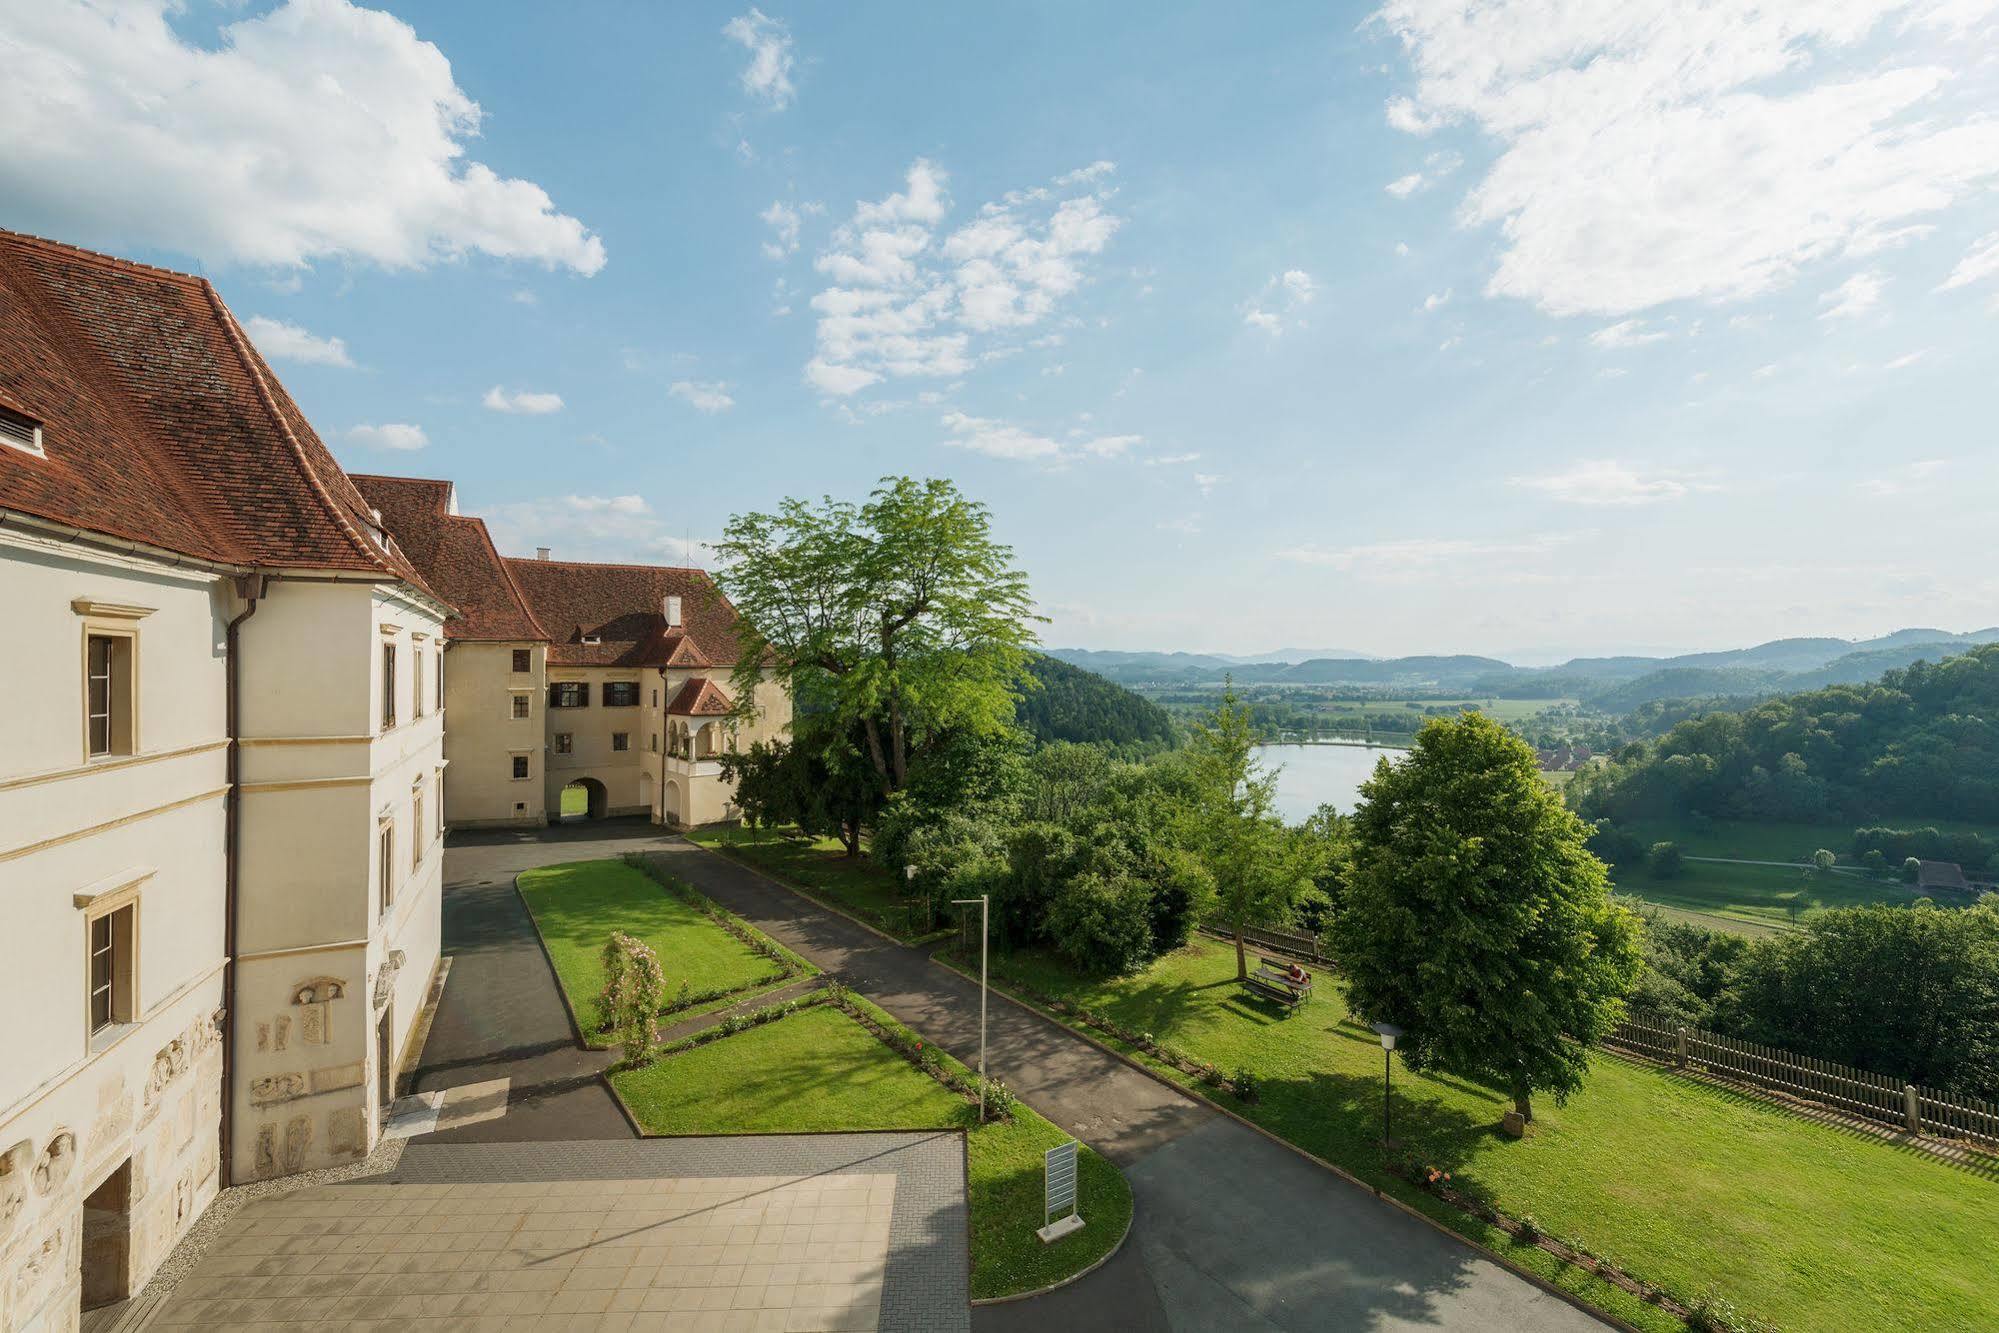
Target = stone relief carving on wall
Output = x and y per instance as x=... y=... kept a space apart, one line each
x=14 y=1164
x=385 y=976
x=315 y=1027
x=58 y=1159
x=276 y=1088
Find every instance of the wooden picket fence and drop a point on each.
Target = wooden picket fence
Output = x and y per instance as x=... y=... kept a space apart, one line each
x=1855 y=1092
x=1277 y=939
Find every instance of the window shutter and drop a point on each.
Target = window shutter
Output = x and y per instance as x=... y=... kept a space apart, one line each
x=583 y=695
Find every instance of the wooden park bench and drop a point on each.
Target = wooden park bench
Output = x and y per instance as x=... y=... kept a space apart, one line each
x=1272 y=978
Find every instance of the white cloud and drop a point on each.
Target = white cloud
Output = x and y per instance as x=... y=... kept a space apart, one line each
x=522 y=402
x=1980 y=262
x=1206 y=481
x=1625 y=333
x=1280 y=303
x=1402 y=249
x=1436 y=300
x=1908 y=480
x=768 y=75
x=281 y=341
x=1654 y=151
x=594 y=527
x=391 y=435
x=1904 y=361
x=522 y=296
x=901 y=301
x=1003 y=439
x=1856 y=296
x=1404 y=186
x=784 y=223
x=1188 y=525
x=1604 y=481
x=710 y=396
x=998 y=439
x=316 y=130
x=1172 y=460
x=1430 y=557
x=1435 y=167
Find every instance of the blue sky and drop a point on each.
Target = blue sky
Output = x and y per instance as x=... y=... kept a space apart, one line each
x=1526 y=328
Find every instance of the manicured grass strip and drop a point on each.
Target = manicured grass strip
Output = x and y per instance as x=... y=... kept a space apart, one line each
x=822 y=868
x=576 y=906
x=575 y=801
x=1683 y=1184
x=819 y=1070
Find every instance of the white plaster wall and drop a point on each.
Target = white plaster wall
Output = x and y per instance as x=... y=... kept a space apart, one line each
x=591 y=730
x=150 y=1092
x=482 y=735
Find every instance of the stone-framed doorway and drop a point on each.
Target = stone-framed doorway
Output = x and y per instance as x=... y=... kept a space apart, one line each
x=107 y=1239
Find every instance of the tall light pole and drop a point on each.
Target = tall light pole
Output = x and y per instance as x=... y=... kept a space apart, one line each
x=1388 y=1032
x=983 y=901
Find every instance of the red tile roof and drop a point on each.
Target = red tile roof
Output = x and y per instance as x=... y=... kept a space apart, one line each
x=455 y=555
x=700 y=697
x=161 y=423
x=624 y=607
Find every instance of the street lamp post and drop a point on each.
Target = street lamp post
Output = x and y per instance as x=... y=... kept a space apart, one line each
x=984 y=903
x=1388 y=1032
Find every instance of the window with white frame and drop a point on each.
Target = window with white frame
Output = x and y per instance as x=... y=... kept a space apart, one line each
x=520 y=767
x=416 y=825
x=113 y=944
x=109 y=694
x=388 y=686
x=523 y=705
x=387 y=838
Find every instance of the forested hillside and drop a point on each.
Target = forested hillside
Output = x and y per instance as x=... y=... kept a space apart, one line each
x=1923 y=740
x=1067 y=703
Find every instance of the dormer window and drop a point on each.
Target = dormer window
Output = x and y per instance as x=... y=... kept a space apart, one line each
x=593 y=638
x=20 y=431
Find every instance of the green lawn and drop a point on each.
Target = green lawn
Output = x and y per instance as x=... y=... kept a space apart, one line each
x=575 y=801
x=821 y=867
x=819 y=1070
x=1682 y=1184
x=576 y=906
x=1773 y=840
x=1755 y=899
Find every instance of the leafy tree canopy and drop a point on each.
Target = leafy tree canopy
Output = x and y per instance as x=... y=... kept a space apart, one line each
x=1476 y=919
x=901 y=617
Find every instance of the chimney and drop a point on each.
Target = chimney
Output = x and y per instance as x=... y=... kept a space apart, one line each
x=673 y=613
x=541 y=553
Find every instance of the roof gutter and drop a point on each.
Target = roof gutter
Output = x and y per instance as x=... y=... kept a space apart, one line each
x=68 y=535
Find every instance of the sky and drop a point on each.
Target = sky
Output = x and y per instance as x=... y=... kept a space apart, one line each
x=1530 y=328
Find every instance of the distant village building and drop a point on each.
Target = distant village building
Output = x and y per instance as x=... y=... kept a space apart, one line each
x=1562 y=758
x=1941 y=876
x=223 y=783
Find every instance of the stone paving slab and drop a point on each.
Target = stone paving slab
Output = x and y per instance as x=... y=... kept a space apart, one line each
x=777 y=1233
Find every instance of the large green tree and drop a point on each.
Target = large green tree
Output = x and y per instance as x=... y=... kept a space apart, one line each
x=1259 y=867
x=1476 y=919
x=900 y=618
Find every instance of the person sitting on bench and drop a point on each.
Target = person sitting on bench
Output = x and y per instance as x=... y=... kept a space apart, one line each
x=1298 y=976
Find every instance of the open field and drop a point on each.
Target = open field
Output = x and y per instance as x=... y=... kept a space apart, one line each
x=821 y=867
x=1682 y=1183
x=1759 y=897
x=820 y=1070
x=1770 y=840
x=576 y=906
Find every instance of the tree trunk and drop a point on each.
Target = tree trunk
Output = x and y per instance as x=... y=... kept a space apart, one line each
x=850 y=837
x=875 y=753
x=1241 y=963
x=1522 y=1103
x=898 y=743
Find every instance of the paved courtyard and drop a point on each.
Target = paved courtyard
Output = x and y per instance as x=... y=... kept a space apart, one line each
x=774 y=1233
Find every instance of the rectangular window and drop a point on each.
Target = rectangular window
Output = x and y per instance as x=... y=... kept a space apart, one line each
x=388 y=686
x=621 y=740
x=437 y=699
x=621 y=694
x=111 y=959
x=388 y=866
x=652 y=742
x=108 y=694
x=416 y=828
x=523 y=705
x=569 y=694
x=655 y=698
x=564 y=742
x=416 y=682
x=523 y=660
x=440 y=805
x=520 y=767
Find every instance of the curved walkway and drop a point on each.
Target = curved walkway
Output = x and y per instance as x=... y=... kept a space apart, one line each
x=1232 y=1231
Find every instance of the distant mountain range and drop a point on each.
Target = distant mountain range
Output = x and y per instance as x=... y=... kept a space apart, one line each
x=1612 y=683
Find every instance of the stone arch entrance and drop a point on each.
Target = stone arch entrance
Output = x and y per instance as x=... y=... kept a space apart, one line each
x=671 y=811
x=583 y=798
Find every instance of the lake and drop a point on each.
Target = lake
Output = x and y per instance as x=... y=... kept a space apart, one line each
x=1316 y=775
